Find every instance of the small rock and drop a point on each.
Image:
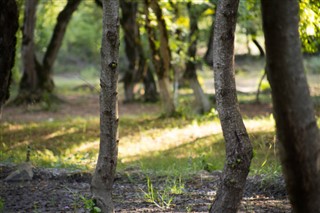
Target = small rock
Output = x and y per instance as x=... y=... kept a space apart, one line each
x=23 y=173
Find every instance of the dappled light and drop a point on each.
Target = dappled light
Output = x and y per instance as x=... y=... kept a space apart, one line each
x=169 y=84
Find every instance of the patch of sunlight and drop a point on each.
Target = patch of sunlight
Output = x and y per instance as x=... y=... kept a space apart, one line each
x=13 y=127
x=265 y=124
x=22 y=143
x=94 y=145
x=60 y=132
x=169 y=138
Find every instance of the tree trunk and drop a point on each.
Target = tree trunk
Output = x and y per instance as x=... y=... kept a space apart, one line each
x=150 y=87
x=131 y=33
x=9 y=26
x=160 y=56
x=102 y=181
x=37 y=78
x=297 y=130
x=202 y=101
x=64 y=17
x=29 y=81
x=208 y=58
x=261 y=51
x=238 y=146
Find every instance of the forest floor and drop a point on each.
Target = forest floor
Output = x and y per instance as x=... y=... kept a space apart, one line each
x=62 y=190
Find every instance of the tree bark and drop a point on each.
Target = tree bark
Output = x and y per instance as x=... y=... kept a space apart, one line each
x=102 y=181
x=297 y=130
x=202 y=101
x=160 y=56
x=238 y=146
x=9 y=26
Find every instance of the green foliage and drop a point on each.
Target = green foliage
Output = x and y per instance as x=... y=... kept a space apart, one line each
x=90 y=205
x=250 y=17
x=309 y=25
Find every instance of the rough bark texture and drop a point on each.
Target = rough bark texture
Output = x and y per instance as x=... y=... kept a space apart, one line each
x=202 y=101
x=37 y=77
x=9 y=27
x=160 y=56
x=297 y=130
x=238 y=146
x=102 y=181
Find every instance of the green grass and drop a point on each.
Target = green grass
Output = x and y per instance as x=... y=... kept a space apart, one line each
x=161 y=146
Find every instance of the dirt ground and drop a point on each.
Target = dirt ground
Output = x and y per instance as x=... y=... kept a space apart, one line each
x=59 y=190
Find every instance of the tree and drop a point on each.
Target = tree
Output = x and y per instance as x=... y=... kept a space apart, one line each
x=29 y=80
x=37 y=78
x=138 y=68
x=161 y=55
x=102 y=181
x=297 y=130
x=202 y=101
x=238 y=146
x=9 y=26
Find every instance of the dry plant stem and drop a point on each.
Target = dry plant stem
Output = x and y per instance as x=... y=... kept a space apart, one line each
x=238 y=146
x=102 y=181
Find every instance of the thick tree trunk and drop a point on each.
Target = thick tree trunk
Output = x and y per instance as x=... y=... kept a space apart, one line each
x=202 y=101
x=64 y=17
x=102 y=181
x=131 y=33
x=160 y=56
x=29 y=79
x=9 y=26
x=238 y=146
x=138 y=68
x=150 y=87
x=297 y=130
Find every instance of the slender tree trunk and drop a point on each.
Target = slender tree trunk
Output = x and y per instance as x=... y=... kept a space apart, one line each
x=9 y=26
x=102 y=181
x=64 y=17
x=202 y=101
x=238 y=146
x=208 y=58
x=259 y=87
x=297 y=130
x=261 y=51
x=160 y=56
